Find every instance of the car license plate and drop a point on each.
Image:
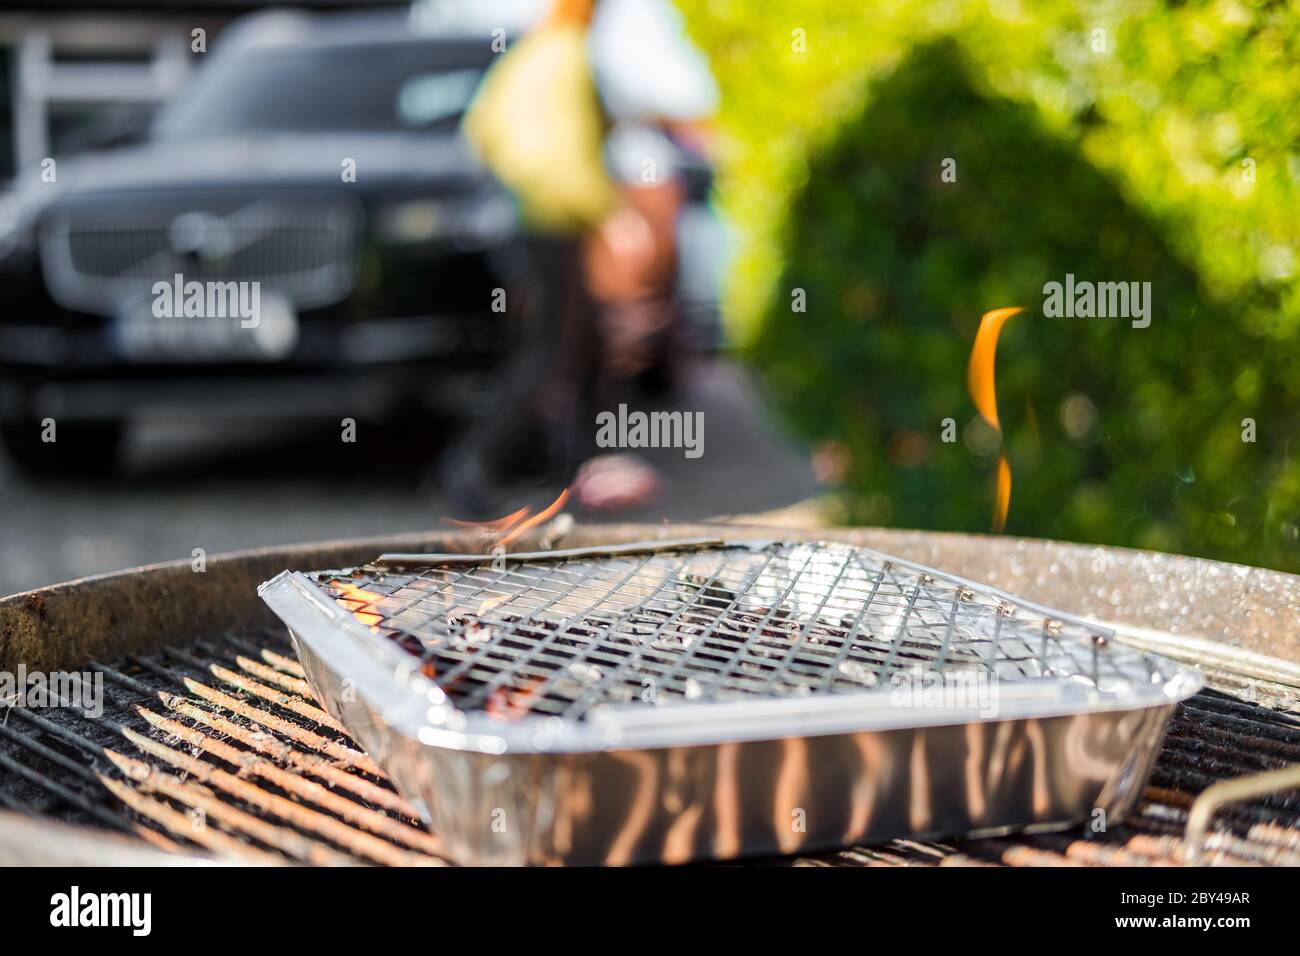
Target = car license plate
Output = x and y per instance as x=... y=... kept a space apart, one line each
x=264 y=333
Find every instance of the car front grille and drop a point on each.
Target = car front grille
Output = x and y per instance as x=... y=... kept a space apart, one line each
x=103 y=256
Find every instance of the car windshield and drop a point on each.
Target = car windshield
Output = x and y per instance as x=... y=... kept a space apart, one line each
x=381 y=87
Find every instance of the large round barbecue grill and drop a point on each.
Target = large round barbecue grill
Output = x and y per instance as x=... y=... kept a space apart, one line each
x=212 y=744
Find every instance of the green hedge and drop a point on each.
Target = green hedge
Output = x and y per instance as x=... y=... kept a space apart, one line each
x=1119 y=165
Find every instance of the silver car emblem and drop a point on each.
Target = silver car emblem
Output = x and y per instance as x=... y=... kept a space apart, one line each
x=203 y=236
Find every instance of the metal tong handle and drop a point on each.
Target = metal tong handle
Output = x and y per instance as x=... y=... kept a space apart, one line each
x=636 y=547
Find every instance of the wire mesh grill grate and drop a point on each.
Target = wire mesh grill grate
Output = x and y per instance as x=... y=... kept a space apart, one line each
x=557 y=637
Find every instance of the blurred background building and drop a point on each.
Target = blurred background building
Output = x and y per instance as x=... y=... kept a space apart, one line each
x=76 y=74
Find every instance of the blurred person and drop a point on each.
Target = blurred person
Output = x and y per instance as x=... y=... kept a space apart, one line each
x=659 y=95
x=575 y=120
x=537 y=124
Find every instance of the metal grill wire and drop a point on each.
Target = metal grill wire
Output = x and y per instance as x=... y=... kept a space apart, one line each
x=558 y=637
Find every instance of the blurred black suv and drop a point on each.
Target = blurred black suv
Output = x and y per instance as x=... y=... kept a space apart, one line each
x=314 y=168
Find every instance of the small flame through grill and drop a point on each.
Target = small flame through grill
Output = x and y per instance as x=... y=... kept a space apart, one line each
x=502 y=531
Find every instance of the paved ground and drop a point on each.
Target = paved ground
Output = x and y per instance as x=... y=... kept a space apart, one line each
x=221 y=487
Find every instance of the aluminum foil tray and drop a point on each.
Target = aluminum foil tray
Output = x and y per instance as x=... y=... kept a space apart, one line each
x=671 y=701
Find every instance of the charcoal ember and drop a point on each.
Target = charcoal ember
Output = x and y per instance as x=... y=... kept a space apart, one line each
x=636 y=634
x=408 y=642
x=857 y=672
x=640 y=628
x=700 y=587
x=676 y=641
x=467 y=631
x=623 y=693
x=514 y=702
x=477 y=633
x=585 y=672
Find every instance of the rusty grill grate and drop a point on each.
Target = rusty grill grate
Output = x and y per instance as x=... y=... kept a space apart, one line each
x=219 y=748
x=559 y=637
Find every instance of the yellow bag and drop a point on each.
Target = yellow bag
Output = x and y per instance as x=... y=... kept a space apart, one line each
x=537 y=124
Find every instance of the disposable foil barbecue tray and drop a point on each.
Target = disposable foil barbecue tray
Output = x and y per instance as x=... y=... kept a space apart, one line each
x=671 y=701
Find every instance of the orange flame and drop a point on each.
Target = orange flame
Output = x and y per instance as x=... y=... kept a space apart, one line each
x=512 y=704
x=544 y=515
x=1002 y=496
x=498 y=524
x=355 y=599
x=511 y=526
x=979 y=374
x=980 y=380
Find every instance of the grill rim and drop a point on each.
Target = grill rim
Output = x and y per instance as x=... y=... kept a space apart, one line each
x=1252 y=626
x=387 y=680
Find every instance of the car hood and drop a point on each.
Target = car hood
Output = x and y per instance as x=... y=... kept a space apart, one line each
x=382 y=162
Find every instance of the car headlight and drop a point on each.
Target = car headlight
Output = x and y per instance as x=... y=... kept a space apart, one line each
x=488 y=220
x=17 y=214
x=463 y=222
x=417 y=220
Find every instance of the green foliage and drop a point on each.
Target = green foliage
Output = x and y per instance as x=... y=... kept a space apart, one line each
x=1119 y=165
